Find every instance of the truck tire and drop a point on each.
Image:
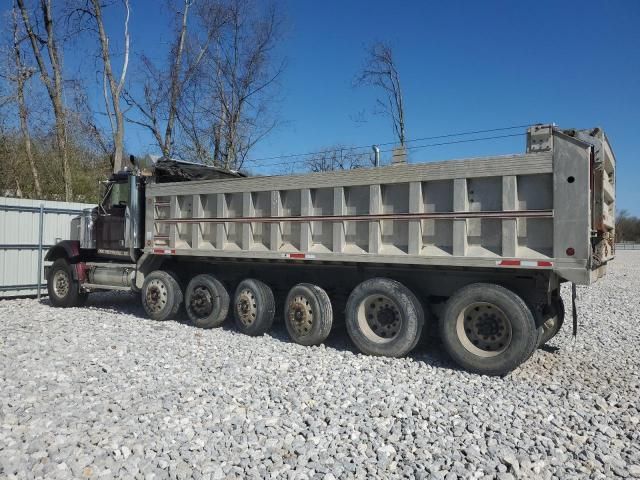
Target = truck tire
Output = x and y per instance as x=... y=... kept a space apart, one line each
x=384 y=318
x=253 y=307
x=161 y=295
x=488 y=329
x=63 y=290
x=553 y=324
x=308 y=315
x=426 y=324
x=206 y=301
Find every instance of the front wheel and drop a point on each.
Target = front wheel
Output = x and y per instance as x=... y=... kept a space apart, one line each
x=488 y=329
x=63 y=290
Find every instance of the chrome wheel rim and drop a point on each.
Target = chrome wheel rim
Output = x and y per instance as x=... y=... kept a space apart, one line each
x=300 y=314
x=379 y=318
x=484 y=329
x=156 y=296
x=246 y=307
x=61 y=283
x=201 y=302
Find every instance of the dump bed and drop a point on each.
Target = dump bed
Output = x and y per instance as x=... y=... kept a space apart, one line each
x=551 y=208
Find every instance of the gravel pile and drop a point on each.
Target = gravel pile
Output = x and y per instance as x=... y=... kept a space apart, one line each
x=101 y=392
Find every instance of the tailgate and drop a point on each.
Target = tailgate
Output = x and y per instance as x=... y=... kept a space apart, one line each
x=603 y=196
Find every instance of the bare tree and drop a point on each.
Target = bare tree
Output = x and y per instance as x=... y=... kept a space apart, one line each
x=163 y=91
x=175 y=82
x=338 y=158
x=245 y=71
x=213 y=103
x=83 y=129
x=380 y=71
x=228 y=105
x=112 y=88
x=20 y=77
x=622 y=221
x=53 y=81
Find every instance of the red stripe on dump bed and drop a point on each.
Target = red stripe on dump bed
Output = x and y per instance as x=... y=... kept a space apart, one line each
x=164 y=251
x=298 y=256
x=509 y=263
x=524 y=263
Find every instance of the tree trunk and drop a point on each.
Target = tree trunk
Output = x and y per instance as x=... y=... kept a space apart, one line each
x=401 y=115
x=61 y=140
x=26 y=138
x=217 y=144
x=58 y=103
x=114 y=89
x=54 y=88
x=176 y=88
x=118 y=141
x=21 y=77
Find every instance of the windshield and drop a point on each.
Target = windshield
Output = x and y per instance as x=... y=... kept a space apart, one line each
x=117 y=195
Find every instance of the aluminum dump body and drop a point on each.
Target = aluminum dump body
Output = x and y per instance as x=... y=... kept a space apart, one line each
x=551 y=208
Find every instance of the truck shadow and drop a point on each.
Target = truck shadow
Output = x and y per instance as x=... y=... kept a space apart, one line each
x=429 y=350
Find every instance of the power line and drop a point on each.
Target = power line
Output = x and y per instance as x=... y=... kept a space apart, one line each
x=449 y=135
x=296 y=162
x=456 y=141
x=263 y=160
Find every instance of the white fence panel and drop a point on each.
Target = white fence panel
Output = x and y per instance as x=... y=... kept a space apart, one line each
x=21 y=240
x=627 y=246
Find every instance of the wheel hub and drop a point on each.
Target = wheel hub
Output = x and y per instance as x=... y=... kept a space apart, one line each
x=379 y=318
x=484 y=329
x=300 y=315
x=246 y=307
x=201 y=302
x=156 y=296
x=386 y=316
x=61 y=283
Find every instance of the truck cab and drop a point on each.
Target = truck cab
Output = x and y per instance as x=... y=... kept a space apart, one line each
x=117 y=219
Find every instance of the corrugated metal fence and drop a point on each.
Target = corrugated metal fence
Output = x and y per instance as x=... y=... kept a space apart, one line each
x=27 y=229
x=627 y=246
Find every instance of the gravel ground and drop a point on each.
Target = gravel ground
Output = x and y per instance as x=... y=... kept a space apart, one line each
x=102 y=392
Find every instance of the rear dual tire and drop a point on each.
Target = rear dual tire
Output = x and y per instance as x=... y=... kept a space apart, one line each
x=488 y=329
x=206 y=301
x=161 y=295
x=384 y=318
x=308 y=314
x=553 y=323
x=253 y=307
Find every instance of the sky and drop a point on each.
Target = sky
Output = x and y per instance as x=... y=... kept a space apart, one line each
x=464 y=66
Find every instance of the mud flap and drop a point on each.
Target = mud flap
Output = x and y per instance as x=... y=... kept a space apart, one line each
x=574 y=312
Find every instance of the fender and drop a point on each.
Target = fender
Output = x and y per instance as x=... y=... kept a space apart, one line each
x=148 y=262
x=69 y=249
x=66 y=248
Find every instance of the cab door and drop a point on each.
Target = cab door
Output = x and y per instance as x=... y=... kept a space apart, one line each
x=111 y=221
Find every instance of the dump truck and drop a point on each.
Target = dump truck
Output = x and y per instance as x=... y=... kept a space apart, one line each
x=471 y=250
